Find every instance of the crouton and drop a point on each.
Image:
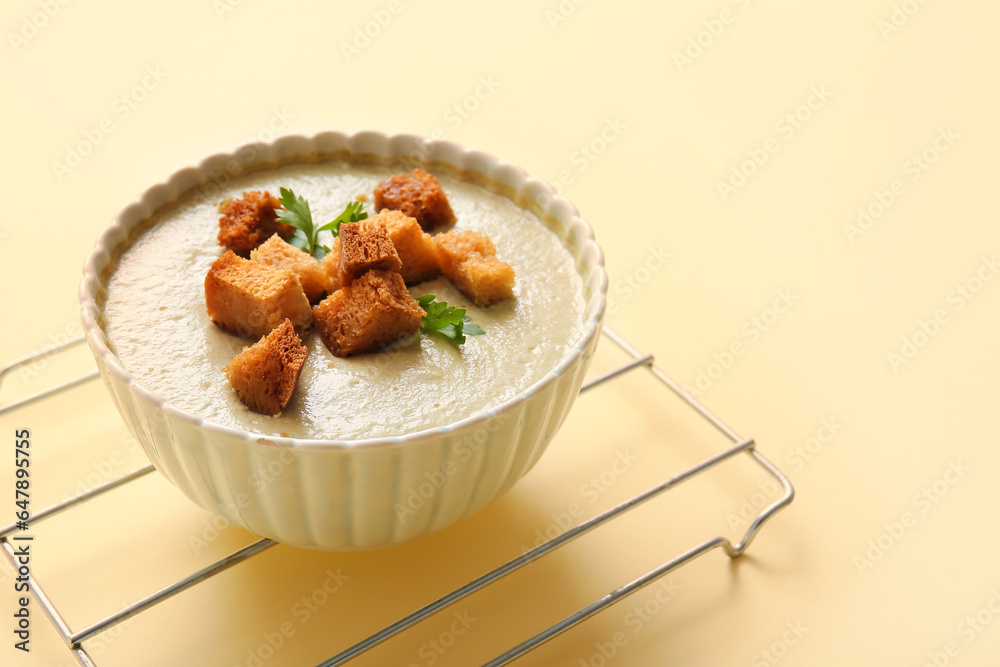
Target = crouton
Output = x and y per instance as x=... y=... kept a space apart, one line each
x=484 y=279
x=331 y=267
x=469 y=260
x=419 y=196
x=454 y=247
x=250 y=300
x=276 y=253
x=373 y=311
x=249 y=221
x=415 y=247
x=365 y=246
x=265 y=374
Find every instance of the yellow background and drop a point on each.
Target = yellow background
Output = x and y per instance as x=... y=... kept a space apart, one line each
x=535 y=83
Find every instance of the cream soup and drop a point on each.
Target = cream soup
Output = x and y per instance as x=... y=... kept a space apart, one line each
x=156 y=322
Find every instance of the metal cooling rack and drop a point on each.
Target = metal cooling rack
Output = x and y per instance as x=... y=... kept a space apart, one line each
x=75 y=639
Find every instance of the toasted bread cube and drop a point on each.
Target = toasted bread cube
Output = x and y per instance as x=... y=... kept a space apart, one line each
x=265 y=374
x=373 y=311
x=469 y=260
x=249 y=221
x=250 y=300
x=365 y=246
x=484 y=279
x=456 y=246
x=331 y=267
x=415 y=247
x=278 y=254
x=419 y=196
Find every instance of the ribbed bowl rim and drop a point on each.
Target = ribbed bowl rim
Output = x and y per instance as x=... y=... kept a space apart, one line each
x=131 y=214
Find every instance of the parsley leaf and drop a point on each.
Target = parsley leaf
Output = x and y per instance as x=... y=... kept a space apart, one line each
x=297 y=214
x=352 y=213
x=450 y=322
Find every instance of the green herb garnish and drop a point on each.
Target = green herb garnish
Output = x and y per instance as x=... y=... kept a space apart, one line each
x=297 y=214
x=450 y=322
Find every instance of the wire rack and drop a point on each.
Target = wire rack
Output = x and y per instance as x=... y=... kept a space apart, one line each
x=739 y=446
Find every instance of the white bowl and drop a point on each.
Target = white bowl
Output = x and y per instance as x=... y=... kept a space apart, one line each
x=358 y=494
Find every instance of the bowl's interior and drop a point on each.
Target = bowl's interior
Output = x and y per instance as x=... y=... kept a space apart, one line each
x=401 y=152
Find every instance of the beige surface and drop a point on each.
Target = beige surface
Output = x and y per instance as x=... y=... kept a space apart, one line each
x=814 y=309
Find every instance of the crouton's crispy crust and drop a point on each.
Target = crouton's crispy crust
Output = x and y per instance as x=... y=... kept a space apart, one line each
x=484 y=279
x=278 y=254
x=331 y=267
x=469 y=260
x=419 y=196
x=365 y=246
x=455 y=246
x=265 y=374
x=249 y=221
x=374 y=311
x=415 y=247
x=250 y=300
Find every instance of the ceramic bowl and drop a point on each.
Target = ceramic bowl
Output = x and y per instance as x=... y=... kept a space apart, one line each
x=358 y=494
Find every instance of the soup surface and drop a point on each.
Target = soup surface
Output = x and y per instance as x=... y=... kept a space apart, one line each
x=156 y=322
